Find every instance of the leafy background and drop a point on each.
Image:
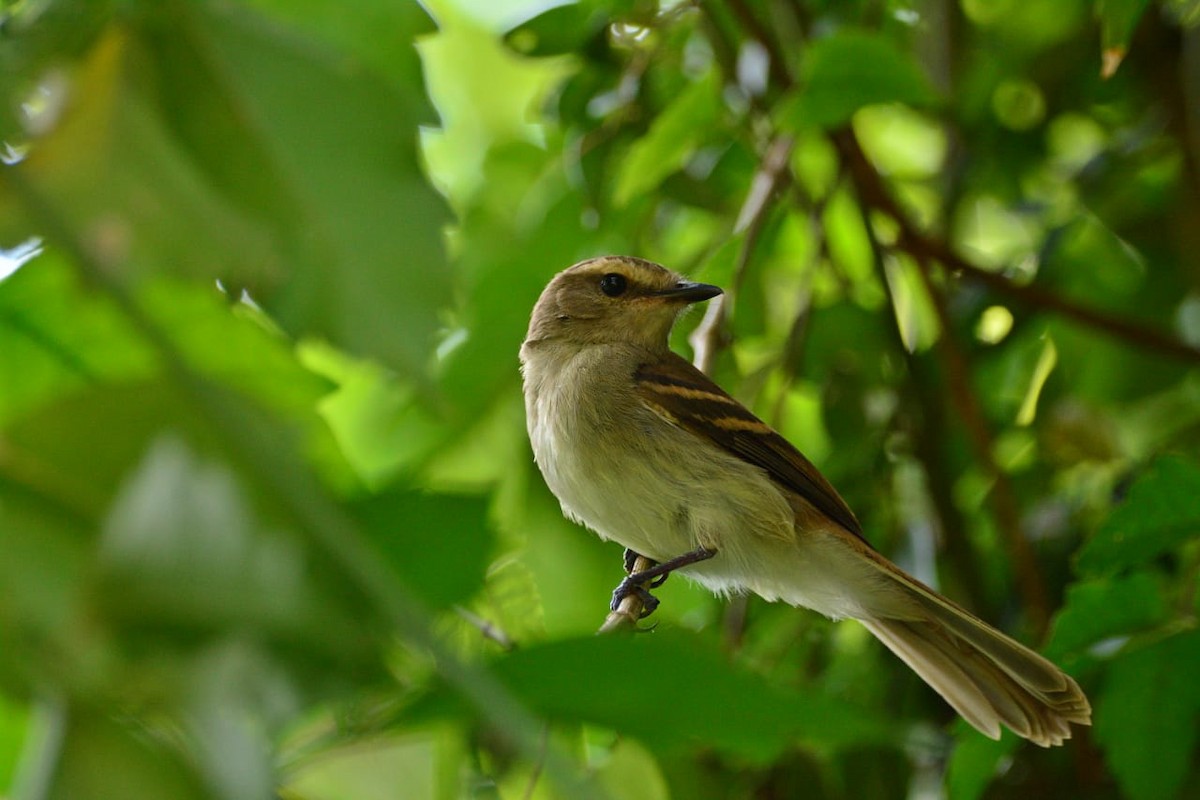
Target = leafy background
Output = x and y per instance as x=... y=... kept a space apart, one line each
x=268 y=521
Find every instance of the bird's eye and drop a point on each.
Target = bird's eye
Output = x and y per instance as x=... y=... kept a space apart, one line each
x=613 y=284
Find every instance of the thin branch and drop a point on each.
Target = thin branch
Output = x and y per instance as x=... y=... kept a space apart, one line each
x=710 y=336
x=629 y=612
x=873 y=192
x=490 y=630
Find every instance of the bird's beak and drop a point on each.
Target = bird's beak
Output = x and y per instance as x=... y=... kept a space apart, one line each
x=689 y=292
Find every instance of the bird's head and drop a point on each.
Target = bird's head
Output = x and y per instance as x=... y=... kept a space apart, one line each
x=614 y=299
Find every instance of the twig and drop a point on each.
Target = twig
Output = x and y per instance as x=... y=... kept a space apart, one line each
x=490 y=630
x=629 y=612
x=710 y=336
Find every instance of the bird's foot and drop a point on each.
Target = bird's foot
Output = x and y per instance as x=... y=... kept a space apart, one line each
x=629 y=587
x=640 y=583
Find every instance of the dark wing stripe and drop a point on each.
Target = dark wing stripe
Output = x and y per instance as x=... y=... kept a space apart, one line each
x=682 y=393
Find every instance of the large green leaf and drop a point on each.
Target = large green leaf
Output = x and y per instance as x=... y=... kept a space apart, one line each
x=56 y=338
x=1159 y=513
x=1147 y=716
x=672 y=691
x=438 y=544
x=1104 y=607
x=216 y=145
x=366 y=264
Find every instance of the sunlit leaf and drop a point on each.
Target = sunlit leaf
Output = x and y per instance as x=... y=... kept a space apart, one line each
x=675 y=134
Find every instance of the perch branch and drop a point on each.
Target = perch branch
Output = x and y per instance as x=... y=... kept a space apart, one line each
x=629 y=612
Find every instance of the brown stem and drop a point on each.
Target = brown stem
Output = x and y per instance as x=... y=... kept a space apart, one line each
x=874 y=193
x=711 y=336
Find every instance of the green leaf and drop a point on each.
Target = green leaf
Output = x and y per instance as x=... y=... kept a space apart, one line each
x=675 y=134
x=56 y=338
x=1118 y=20
x=113 y=174
x=379 y=33
x=268 y=164
x=361 y=225
x=15 y=722
x=1146 y=716
x=438 y=544
x=976 y=761
x=847 y=71
x=1104 y=607
x=672 y=691
x=1159 y=513
x=42 y=576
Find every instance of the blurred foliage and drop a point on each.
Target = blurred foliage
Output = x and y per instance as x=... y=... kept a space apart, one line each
x=269 y=526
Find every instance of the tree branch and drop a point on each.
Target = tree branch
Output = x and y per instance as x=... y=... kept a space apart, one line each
x=873 y=192
x=629 y=612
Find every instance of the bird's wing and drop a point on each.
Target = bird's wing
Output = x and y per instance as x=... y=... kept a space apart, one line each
x=683 y=394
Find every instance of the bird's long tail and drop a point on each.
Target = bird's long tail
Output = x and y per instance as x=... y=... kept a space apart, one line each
x=986 y=676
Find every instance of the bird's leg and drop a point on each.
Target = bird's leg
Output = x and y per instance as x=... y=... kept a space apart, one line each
x=656 y=574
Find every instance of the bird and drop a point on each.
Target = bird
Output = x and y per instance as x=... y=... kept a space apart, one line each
x=646 y=450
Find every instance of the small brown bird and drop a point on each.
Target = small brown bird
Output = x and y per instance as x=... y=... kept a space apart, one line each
x=644 y=449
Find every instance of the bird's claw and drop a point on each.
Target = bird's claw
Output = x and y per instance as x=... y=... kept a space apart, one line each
x=629 y=587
